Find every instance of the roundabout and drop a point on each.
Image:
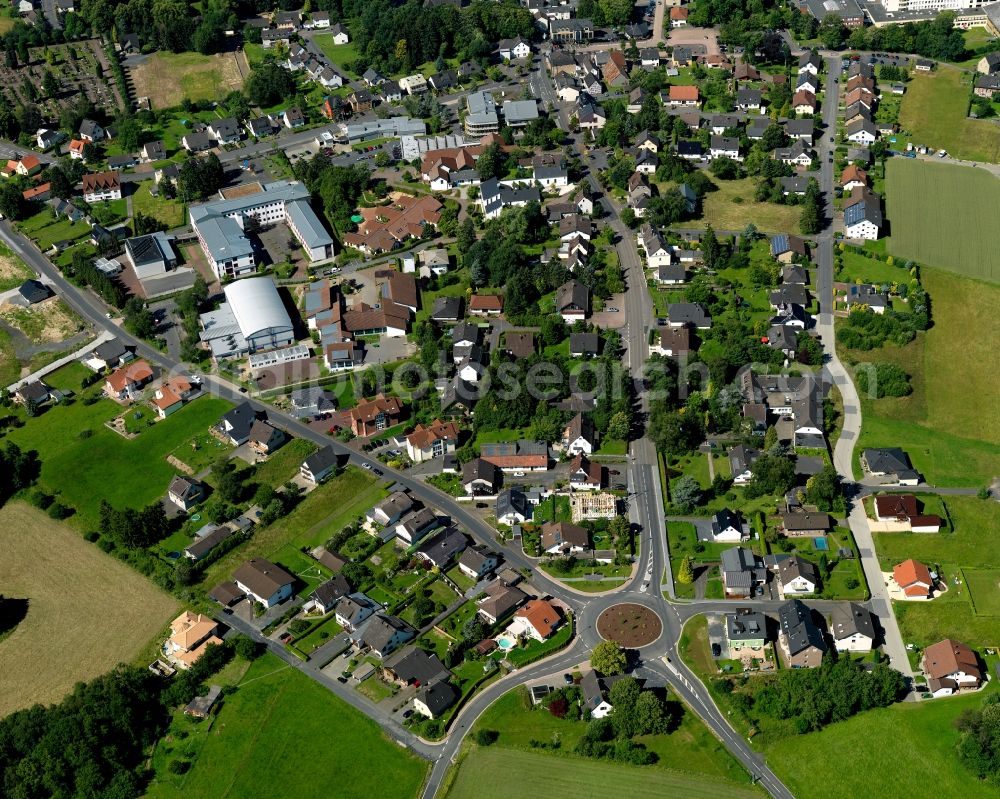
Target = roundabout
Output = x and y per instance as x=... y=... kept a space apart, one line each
x=630 y=625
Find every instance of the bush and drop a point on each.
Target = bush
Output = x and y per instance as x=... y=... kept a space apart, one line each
x=179 y=767
x=885 y=380
x=91 y=536
x=59 y=511
x=486 y=737
x=85 y=433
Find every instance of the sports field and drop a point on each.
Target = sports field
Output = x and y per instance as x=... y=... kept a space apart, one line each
x=896 y=751
x=280 y=734
x=497 y=773
x=944 y=215
x=168 y=78
x=87 y=611
x=934 y=109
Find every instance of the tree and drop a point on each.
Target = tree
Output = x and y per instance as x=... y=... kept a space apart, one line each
x=50 y=86
x=823 y=489
x=608 y=658
x=685 y=572
x=268 y=83
x=382 y=159
x=615 y=12
x=486 y=737
x=11 y=200
x=619 y=426
x=466 y=236
x=686 y=494
x=832 y=32
x=553 y=330
x=491 y=162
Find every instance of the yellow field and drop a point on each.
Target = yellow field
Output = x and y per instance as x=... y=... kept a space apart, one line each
x=167 y=78
x=87 y=611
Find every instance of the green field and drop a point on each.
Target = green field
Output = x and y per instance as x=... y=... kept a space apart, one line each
x=898 y=751
x=324 y=511
x=281 y=734
x=691 y=748
x=984 y=587
x=480 y=776
x=105 y=466
x=339 y=54
x=950 y=440
x=944 y=215
x=170 y=212
x=934 y=112
x=732 y=206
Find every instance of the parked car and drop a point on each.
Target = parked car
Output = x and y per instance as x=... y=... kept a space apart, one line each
x=568 y=679
x=716 y=650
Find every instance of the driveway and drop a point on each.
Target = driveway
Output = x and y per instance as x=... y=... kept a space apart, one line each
x=717 y=633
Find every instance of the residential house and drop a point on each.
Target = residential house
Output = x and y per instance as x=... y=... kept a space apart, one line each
x=384 y=634
x=264 y=582
x=235 y=424
x=914 y=579
x=852 y=627
x=578 y=437
x=431 y=441
x=354 y=609
x=370 y=417
x=797 y=576
x=853 y=177
x=683 y=96
x=190 y=635
x=800 y=130
x=520 y=456
x=572 y=301
x=901 y=513
x=264 y=438
x=511 y=49
x=481 y=478
x=593 y=693
x=442 y=548
x=519 y=345
x=319 y=465
x=725 y=147
x=800 y=639
x=584 y=345
x=951 y=666
x=486 y=305
x=678 y=16
x=512 y=507
x=391 y=509
x=741 y=460
x=434 y=699
x=802 y=523
x=863 y=216
x=127 y=381
x=746 y=629
x=476 y=563
x=417 y=526
x=796 y=155
x=743 y=572
x=185 y=492
x=688 y=314
x=326 y=596
x=585 y=475
x=862 y=131
x=673 y=341
x=748 y=99
x=563 y=538
x=108 y=355
x=537 y=620
x=99 y=186
x=804 y=102
x=90 y=131
x=810 y=61
x=890 y=462
x=502 y=598
x=727 y=527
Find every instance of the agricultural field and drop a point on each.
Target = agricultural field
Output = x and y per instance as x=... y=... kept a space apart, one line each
x=92 y=462
x=732 y=206
x=934 y=112
x=915 y=748
x=168 y=78
x=87 y=611
x=943 y=215
x=949 y=439
x=255 y=746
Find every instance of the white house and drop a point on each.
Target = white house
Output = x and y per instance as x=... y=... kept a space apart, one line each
x=951 y=666
x=863 y=220
x=797 y=576
x=727 y=528
x=264 y=582
x=852 y=628
x=514 y=48
x=724 y=146
x=538 y=620
x=578 y=437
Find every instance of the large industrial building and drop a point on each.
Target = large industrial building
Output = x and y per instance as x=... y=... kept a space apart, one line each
x=221 y=225
x=253 y=318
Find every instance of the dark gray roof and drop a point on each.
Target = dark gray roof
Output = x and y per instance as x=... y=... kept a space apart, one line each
x=414 y=665
x=34 y=291
x=438 y=697
x=584 y=343
x=321 y=460
x=444 y=546
x=850 y=619
x=329 y=592
x=382 y=628
x=797 y=625
x=208 y=542
x=887 y=460
x=746 y=626
x=512 y=501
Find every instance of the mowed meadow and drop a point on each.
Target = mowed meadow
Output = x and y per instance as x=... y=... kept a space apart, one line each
x=87 y=612
x=945 y=216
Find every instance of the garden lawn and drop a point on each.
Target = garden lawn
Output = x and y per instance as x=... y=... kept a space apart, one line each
x=949 y=615
x=934 y=112
x=324 y=511
x=984 y=587
x=284 y=464
x=732 y=206
x=255 y=747
x=169 y=212
x=857 y=267
x=950 y=440
x=910 y=746
x=45 y=229
x=105 y=466
x=339 y=54
x=10 y=367
x=941 y=215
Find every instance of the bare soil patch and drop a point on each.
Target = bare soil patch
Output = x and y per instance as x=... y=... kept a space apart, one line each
x=46 y=322
x=167 y=78
x=630 y=625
